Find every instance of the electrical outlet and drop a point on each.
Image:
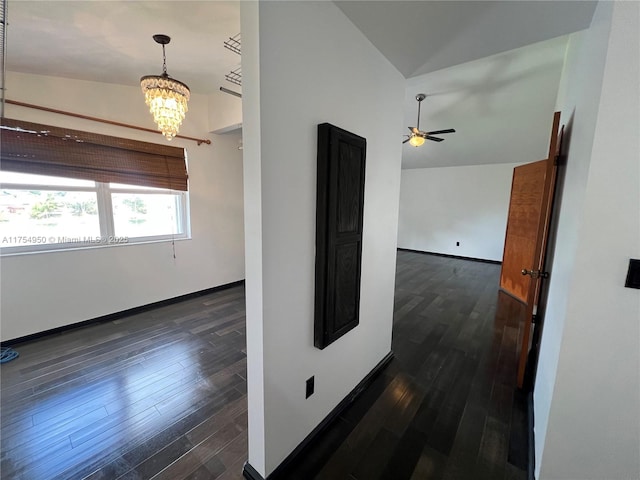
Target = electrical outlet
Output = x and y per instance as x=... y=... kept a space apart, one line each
x=457 y=244
x=310 y=382
x=633 y=275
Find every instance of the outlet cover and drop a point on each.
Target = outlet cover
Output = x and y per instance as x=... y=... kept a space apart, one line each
x=310 y=387
x=633 y=274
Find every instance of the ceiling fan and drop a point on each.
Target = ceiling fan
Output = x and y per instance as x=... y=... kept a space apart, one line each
x=417 y=136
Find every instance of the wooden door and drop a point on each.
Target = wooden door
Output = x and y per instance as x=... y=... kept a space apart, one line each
x=525 y=244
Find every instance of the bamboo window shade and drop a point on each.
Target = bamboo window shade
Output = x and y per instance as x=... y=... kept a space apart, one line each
x=28 y=147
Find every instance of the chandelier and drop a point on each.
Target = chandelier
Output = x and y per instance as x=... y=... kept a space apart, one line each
x=166 y=97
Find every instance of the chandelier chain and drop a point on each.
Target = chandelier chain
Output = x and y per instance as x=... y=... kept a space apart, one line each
x=164 y=61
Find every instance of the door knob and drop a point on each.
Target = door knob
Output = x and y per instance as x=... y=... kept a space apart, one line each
x=535 y=273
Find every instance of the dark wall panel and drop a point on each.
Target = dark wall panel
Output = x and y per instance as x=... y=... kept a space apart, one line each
x=339 y=213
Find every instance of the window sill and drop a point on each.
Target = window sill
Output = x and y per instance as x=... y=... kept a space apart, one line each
x=87 y=245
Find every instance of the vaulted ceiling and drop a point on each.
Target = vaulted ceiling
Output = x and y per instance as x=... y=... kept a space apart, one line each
x=482 y=63
x=424 y=36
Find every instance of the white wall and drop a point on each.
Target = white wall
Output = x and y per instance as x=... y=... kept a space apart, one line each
x=252 y=160
x=313 y=66
x=587 y=392
x=48 y=290
x=442 y=206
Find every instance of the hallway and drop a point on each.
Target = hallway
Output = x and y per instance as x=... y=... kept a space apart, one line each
x=446 y=406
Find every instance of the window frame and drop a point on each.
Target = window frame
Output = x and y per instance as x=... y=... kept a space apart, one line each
x=104 y=206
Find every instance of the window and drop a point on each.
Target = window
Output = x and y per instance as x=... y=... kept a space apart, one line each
x=46 y=213
x=63 y=188
x=145 y=213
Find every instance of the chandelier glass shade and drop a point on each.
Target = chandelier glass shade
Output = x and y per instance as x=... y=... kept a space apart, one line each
x=166 y=97
x=167 y=101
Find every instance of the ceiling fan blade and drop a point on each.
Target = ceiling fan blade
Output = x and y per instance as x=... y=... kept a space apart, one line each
x=407 y=140
x=437 y=132
x=435 y=139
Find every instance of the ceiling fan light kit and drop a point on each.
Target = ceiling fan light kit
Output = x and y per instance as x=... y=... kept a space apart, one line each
x=416 y=141
x=417 y=136
x=166 y=97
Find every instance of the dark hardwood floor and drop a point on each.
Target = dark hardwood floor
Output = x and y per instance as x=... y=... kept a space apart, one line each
x=446 y=407
x=162 y=394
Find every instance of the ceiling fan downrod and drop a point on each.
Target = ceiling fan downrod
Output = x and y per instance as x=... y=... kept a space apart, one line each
x=419 y=97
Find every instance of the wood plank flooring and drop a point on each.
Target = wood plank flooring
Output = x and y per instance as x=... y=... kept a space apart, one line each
x=446 y=407
x=162 y=394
